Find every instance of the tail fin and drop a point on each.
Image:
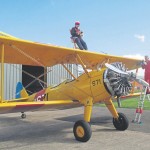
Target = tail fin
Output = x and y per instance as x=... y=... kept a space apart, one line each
x=21 y=91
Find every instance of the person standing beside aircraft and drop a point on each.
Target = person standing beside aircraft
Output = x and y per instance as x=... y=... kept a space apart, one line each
x=146 y=66
x=77 y=36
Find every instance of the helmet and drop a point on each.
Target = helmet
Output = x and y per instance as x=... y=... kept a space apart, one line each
x=77 y=23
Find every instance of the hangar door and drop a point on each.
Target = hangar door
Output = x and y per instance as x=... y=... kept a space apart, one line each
x=31 y=84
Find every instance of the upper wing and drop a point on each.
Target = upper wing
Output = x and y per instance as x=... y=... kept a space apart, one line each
x=19 y=51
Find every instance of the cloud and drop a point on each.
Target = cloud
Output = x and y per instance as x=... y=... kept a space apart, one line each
x=140 y=37
x=140 y=70
x=136 y=56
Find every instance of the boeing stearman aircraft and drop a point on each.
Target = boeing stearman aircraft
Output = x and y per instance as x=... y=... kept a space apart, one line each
x=105 y=76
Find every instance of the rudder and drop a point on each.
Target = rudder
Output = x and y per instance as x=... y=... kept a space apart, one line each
x=21 y=91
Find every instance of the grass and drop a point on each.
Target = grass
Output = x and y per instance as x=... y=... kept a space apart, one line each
x=130 y=103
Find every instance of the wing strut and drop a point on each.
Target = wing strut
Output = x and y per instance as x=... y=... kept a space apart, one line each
x=2 y=73
x=82 y=64
x=69 y=71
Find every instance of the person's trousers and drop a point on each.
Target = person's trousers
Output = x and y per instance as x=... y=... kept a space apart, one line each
x=81 y=44
x=147 y=79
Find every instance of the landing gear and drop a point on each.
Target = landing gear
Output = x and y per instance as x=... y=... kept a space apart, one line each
x=82 y=131
x=118 y=102
x=23 y=115
x=121 y=123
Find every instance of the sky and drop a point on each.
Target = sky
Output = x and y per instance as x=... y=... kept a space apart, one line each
x=116 y=27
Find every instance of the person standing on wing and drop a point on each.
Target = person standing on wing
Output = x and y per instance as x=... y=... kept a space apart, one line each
x=146 y=66
x=77 y=36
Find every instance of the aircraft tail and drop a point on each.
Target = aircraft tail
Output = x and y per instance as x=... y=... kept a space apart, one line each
x=21 y=91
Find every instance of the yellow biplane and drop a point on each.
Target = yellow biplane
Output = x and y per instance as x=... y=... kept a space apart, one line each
x=105 y=76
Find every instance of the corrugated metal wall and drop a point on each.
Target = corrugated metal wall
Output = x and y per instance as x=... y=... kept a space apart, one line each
x=12 y=75
x=58 y=74
x=55 y=75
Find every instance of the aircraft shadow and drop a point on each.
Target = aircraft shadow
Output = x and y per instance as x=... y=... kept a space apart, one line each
x=26 y=132
x=56 y=130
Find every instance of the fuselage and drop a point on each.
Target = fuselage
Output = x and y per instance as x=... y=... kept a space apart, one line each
x=91 y=85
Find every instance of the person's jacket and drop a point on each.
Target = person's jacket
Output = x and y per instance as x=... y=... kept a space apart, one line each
x=147 y=71
x=74 y=32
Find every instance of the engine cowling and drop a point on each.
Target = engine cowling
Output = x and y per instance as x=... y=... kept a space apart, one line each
x=116 y=83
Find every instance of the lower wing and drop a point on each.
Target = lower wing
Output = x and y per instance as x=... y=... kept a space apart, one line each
x=11 y=107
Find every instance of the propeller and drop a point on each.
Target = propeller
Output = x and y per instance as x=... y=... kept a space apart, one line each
x=131 y=76
x=115 y=69
x=141 y=81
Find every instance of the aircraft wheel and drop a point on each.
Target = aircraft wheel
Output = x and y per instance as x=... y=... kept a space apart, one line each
x=82 y=131
x=121 y=123
x=23 y=115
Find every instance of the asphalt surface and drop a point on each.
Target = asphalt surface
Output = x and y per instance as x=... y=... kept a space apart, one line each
x=52 y=130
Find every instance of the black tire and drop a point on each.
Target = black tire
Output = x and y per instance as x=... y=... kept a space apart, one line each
x=82 y=131
x=121 y=123
x=23 y=116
